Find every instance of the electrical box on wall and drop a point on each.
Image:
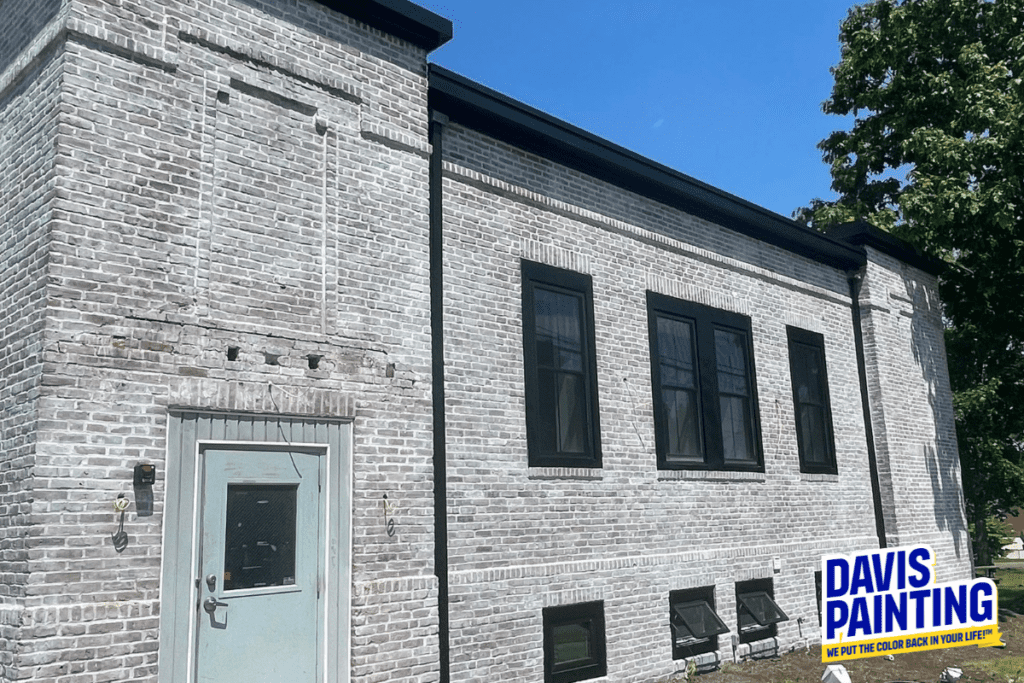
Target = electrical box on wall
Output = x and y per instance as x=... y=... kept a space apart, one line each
x=145 y=474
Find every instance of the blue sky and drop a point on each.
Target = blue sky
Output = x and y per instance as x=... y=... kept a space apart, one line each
x=729 y=93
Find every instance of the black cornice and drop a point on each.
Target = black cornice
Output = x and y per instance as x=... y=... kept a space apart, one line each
x=400 y=18
x=861 y=233
x=473 y=105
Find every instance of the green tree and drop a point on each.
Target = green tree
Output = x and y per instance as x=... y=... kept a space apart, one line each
x=935 y=155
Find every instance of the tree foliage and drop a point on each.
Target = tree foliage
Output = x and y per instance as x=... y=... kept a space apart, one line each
x=935 y=155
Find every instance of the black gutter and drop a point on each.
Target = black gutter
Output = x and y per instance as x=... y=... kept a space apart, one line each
x=400 y=18
x=437 y=124
x=473 y=105
x=854 y=279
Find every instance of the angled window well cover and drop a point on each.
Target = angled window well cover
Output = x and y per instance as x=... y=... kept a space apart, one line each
x=696 y=620
x=761 y=608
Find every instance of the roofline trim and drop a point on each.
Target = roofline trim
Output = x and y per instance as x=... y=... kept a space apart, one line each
x=862 y=233
x=400 y=18
x=481 y=108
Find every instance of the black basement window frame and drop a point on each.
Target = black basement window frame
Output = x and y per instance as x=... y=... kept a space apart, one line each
x=811 y=404
x=757 y=613
x=559 y=362
x=695 y=624
x=574 y=645
x=685 y=339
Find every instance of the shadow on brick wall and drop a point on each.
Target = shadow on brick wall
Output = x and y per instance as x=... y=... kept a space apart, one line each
x=940 y=456
x=20 y=22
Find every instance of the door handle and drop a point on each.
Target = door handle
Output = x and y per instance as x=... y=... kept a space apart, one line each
x=211 y=604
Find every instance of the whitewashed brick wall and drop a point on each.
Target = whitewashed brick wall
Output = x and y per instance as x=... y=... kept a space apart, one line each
x=912 y=415
x=199 y=176
x=524 y=538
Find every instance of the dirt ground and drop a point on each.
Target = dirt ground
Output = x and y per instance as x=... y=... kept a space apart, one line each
x=1005 y=665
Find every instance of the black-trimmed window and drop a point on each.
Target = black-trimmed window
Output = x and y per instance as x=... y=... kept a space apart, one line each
x=757 y=612
x=705 y=393
x=695 y=624
x=574 y=647
x=817 y=592
x=561 y=369
x=811 y=402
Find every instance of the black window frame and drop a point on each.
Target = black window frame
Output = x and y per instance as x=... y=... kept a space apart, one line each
x=798 y=339
x=538 y=276
x=817 y=592
x=760 y=629
x=705 y=320
x=589 y=615
x=698 y=645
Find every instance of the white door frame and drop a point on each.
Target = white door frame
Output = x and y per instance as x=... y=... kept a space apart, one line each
x=188 y=433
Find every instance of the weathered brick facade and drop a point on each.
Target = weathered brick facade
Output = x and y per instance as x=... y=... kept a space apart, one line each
x=221 y=211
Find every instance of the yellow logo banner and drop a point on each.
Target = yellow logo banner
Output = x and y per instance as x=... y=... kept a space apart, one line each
x=981 y=636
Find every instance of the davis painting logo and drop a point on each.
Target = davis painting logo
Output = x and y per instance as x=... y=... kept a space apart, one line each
x=881 y=602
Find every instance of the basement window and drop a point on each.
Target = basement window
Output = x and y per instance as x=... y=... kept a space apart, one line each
x=574 y=648
x=695 y=624
x=757 y=611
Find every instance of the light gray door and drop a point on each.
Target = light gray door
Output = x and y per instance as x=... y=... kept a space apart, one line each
x=260 y=549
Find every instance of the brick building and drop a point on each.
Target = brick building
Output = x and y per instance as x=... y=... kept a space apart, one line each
x=323 y=364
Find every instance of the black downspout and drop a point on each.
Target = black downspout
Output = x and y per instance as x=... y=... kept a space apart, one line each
x=437 y=124
x=854 y=280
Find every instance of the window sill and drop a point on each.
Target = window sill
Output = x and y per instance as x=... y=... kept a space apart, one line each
x=819 y=477
x=716 y=475
x=705 y=662
x=758 y=649
x=578 y=473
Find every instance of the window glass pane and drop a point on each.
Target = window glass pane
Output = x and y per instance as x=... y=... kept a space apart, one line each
x=731 y=361
x=734 y=396
x=571 y=644
x=259 y=542
x=682 y=425
x=737 y=434
x=807 y=374
x=678 y=377
x=559 y=340
x=571 y=417
x=675 y=353
x=810 y=394
x=812 y=433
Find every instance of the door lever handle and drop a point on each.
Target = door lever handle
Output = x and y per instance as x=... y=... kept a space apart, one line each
x=211 y=604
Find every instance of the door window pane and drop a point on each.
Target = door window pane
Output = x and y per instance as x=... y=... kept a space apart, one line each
x=259 y=541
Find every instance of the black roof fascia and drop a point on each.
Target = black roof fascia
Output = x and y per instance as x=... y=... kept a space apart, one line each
x=476 y=106
x=400 y=18
x=861 y=233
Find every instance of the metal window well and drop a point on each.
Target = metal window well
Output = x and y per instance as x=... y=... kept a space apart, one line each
x=760 y=606
x=695 y=621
